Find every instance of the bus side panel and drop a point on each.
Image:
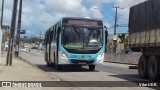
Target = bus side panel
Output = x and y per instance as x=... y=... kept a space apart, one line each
x=58 y=40
x=45 y=47
x=51 y=45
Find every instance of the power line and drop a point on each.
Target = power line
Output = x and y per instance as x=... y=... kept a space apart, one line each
x=123 y=18
x=104 y=13
x=111 y=28
x=122 y=25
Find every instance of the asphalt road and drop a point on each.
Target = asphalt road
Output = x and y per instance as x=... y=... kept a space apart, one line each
x=105 y=72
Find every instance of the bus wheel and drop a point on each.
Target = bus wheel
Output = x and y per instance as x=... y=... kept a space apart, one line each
x=142 y=67
x=58 y=67
x=91 y=67
x=49 y=64
x=53 y=64
x=154 y=68
x=46 y=56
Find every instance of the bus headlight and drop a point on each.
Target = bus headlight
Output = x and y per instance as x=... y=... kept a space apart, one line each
x=63 y=55
x=100 y=56
x=63 y=58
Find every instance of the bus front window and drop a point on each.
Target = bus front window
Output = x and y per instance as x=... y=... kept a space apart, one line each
x=82 y=38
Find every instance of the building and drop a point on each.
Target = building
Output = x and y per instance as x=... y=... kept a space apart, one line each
x=119 y=46
x=111 y=36
x=5 y=37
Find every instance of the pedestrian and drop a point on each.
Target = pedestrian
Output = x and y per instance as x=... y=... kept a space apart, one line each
x=29 y=49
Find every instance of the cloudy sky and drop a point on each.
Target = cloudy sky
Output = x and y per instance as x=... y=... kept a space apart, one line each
x=38 y=15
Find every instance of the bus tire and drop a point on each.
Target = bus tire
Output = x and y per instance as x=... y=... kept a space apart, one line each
x=49 y=64
x=58 y=67
x=53 y=64
x=142 y=67
x=154 y=68
x=92 y=67
x=46 y=58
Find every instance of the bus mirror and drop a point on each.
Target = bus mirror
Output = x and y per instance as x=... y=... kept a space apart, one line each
x=106 y=31
x=106 y=34
x=105 y=28
x=59 y=29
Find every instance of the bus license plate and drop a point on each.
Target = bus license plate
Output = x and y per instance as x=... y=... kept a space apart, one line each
x=81 y=62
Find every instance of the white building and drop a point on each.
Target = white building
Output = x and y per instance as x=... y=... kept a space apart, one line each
x=5 y=36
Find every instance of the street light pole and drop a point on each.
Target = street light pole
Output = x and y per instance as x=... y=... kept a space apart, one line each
x=12 y=31
x=2 y=13
x=1 y=23
x=18 y=30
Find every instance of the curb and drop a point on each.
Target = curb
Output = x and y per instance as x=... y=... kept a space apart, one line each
x=133 y=67
x=28 y=62
x=56 y=78
x=119 y=63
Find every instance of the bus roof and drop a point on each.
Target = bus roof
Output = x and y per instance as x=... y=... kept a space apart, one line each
x=76 y=18
x=82 y=18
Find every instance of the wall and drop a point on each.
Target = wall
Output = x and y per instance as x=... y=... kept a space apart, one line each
x=120 y=56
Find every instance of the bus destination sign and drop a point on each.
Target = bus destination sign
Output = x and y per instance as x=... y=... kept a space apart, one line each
x=83 y=22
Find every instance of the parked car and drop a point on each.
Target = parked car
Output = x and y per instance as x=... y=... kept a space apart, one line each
x=34 y=47
x=23 y=49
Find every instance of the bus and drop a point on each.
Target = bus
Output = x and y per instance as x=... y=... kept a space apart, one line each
x=75 y=41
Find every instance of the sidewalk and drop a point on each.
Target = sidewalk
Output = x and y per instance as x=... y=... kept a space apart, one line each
x=22 y=71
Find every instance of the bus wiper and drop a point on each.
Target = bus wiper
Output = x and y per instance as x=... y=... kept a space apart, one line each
x=75 y=29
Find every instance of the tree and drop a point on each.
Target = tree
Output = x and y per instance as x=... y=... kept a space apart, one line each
x=124 y=38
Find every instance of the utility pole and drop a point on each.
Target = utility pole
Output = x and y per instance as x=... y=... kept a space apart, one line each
x=39 y=37
x=1 y=23
x=18 y=30
x=2 y=13
x=12 y=31
x=115 y=27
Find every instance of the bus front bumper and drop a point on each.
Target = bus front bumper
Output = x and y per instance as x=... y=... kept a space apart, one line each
x=80 y=62
x=64 y=60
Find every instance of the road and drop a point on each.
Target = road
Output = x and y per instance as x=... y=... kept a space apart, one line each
x=105 y=72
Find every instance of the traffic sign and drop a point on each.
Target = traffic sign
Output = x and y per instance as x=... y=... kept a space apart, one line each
x=23 y=32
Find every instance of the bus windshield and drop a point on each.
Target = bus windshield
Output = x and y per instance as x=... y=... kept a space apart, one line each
x=82 y=38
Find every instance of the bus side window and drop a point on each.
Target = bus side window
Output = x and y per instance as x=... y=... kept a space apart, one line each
x=55 y=33
x=47 y=38
x=51 y=36
x=106 y=34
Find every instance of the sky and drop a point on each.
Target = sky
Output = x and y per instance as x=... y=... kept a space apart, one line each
x=39 y=15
